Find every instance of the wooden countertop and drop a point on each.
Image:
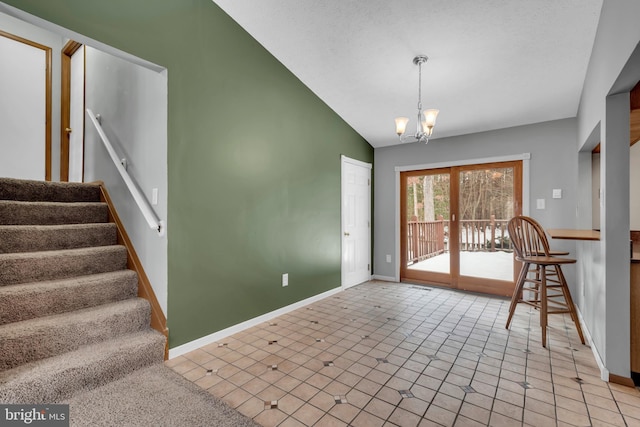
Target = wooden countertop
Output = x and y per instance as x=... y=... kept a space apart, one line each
x=572 y=234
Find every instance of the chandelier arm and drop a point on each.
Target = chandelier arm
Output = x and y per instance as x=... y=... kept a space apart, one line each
x=414 y=138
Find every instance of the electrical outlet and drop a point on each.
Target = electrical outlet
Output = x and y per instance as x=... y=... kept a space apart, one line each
x=388 y=258
x=285 y=279
x=540 y=204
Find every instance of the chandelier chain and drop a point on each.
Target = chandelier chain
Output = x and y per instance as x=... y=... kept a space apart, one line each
x=419 y=86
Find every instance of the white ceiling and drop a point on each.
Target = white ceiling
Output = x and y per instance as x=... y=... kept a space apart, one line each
x=492 y=63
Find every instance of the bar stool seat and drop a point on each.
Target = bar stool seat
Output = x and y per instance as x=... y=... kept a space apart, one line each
x=547 y=290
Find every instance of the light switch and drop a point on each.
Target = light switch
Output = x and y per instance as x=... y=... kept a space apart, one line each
x=557 y=193
x=540 y=204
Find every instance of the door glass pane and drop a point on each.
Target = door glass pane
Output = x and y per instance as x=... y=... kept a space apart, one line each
x=486 y=205
x=427 y=219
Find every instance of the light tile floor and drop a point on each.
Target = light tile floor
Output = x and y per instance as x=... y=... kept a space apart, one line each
x=399 y=354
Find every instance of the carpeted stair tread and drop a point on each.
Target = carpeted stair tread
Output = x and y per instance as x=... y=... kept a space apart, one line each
x=153 y=396
x=50 y=213
x=35 y=339
x=30 y=300
x=58 y=378
x=47 y=191
x=35 y=238
x=28 y=267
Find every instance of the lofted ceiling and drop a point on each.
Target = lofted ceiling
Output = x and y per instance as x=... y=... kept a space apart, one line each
x=492 y=63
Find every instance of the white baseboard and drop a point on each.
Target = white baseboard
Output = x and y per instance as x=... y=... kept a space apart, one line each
x=217 y=336
x=384 y=278
x=604 y=372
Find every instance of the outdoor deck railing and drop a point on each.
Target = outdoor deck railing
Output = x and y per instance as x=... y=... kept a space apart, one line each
x=426 y=239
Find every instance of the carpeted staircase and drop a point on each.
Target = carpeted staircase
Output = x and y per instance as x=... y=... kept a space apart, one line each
x=70 y=320
x=72 y=329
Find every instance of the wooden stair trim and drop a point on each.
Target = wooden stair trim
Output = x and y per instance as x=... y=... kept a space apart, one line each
x=145 y=290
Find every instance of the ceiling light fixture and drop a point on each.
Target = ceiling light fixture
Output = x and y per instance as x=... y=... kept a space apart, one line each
x=426 y=119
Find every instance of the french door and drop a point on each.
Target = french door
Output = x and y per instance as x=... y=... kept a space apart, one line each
x=454 y=226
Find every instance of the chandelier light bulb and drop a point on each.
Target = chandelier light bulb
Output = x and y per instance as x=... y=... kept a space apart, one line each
x=401 y=125
x=430 y=117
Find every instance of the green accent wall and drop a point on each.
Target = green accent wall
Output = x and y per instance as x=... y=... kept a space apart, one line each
x=254 y=160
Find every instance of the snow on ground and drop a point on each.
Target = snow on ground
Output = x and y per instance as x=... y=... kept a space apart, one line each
x=490 y=265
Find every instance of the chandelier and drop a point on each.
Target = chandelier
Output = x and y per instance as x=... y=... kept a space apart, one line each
x=426 y=118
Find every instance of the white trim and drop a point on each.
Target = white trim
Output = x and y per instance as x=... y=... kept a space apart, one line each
x=384 y=278
x=344 y=160
x=526 y=182
x=466 y=162
x=217 y=336
x=604 y=372
x=525 y=157
x=355 y=162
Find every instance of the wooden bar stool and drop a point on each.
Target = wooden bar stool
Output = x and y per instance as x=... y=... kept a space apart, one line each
x=548 y=290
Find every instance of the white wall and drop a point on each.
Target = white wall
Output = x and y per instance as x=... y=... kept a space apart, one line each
x=31 y=32
x=23 y=118
x=132 y=101
x=553 y=164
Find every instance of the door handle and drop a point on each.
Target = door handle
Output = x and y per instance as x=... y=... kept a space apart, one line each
x=346 y=234
x=68 y=130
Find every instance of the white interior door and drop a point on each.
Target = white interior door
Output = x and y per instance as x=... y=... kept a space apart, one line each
x=356 y=222
x=76 y=117
x=23 y=76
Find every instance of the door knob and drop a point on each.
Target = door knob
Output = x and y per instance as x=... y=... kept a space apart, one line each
x=68 y=130
x=346 y=234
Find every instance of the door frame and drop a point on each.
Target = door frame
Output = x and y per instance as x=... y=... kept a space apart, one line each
x=343 y=161
x=524 y=157
x=47 y=100
x=439 y=278
x=65 y=111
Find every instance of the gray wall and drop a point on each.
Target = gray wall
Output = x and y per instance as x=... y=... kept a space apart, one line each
x=25 y=30
x=553 y=164
x=132 y=101
x=603 y=267
x=634 y=190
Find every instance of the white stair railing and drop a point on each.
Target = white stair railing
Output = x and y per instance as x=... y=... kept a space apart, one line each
x=148 y=213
